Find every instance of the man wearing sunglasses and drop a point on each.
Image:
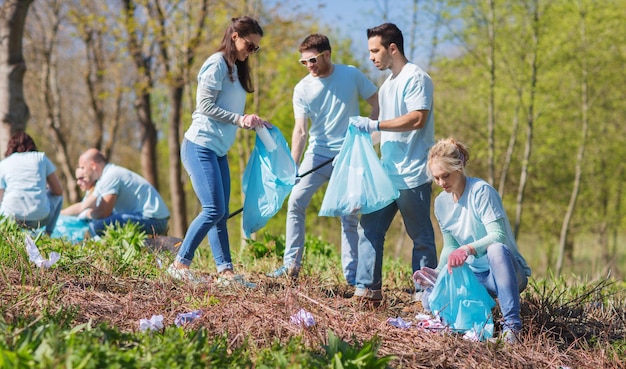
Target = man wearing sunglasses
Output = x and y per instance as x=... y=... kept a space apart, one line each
x=326 y=98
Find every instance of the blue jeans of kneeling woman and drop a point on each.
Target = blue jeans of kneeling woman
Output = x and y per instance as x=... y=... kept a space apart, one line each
x=210 y=178
x=505 y=279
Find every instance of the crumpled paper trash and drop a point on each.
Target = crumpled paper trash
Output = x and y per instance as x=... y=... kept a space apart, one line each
x=399 y=323
x=478 y=333
x=184 y=318
x=303 y=318
x=153 y=324
x=426 y=322
x=35 y=256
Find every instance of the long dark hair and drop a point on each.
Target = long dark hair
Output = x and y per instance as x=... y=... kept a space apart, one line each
x=244 y=26
x=20 y=142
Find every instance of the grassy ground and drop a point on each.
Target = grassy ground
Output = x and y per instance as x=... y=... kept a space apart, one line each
x=85 y=312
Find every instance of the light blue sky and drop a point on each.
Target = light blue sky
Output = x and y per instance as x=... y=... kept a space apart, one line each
x=353 y=17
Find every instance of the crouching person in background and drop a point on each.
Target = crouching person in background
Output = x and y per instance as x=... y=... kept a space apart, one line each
x=120 y=196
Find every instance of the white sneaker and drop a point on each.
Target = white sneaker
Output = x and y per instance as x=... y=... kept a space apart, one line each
x=185 y=274
x=507 y=336
x=238 y=279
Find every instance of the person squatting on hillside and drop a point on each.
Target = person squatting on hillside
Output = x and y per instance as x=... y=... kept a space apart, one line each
x=30 y=191
x=406 y=125
x=120 y=196
x=328 y=96
x=476 y=231
x=223 y=81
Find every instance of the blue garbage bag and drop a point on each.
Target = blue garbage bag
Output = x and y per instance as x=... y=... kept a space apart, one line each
x=358 y=183
x=71 y=228
x=462 y=302
x=267 y=180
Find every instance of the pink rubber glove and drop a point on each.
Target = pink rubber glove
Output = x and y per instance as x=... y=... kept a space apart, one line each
x=250 y=121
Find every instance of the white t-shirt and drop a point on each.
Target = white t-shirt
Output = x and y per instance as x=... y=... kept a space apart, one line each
x=404 y=154
x=135 y=195
x=329 y=102
x=465 y=219
x=23 y=176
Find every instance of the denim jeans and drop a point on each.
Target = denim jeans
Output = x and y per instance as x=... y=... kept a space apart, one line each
x=56 y=203
x=299 y=199
x=210 y=178
x=505 y=279
x=149 y=225
x=414 y=205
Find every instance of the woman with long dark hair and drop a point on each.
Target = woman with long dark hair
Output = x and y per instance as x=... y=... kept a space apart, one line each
x=223 y=81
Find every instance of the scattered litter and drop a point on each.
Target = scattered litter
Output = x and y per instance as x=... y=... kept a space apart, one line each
x=153 y=324
x=303 y=318
x=426 y=322
x=479 y=333
x=35 y=256
x=159 y=263
x=399 y=323
x=184 y=318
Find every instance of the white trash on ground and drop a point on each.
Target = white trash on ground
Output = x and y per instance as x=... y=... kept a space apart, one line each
x=184 y=318
x=399 y=323
x=303 y=318
x=35 y=256
x=153 y=324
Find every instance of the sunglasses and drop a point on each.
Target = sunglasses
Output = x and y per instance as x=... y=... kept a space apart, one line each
x=312 y=60
x=251 y=47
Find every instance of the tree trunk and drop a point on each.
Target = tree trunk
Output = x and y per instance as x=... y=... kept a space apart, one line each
x=530 y=119
x=13 y=108
x=580 y=157
x=177 y=192
x=148 y=138
x=143 y=88
x=491 y=61
x=510 y=147
x=178 y=77
x=51 y=94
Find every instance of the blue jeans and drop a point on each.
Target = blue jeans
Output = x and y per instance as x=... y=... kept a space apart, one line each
x=149 y=225
x=299 y=199
x=210 y=178
x=414 y=205
x=505 y=279
x=56 y=203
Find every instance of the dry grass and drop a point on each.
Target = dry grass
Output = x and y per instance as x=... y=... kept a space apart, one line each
x=555 y=335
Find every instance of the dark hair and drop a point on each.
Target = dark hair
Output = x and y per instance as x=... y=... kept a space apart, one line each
x=20 y=142
x=315 y=41
x=389 y=34
x=244 y=26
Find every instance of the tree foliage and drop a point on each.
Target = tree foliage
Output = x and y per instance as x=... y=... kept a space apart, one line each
x=508 y=81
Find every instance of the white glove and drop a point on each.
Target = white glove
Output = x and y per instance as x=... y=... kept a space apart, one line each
x=364 y=124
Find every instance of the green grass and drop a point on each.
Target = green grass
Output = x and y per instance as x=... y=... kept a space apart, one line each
x=45 y=321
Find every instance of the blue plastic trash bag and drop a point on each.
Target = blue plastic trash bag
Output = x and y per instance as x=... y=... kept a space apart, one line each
x=267 y=180
x=71 y=228
x=359 y=183
x=462 y=302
